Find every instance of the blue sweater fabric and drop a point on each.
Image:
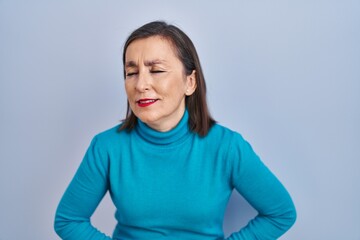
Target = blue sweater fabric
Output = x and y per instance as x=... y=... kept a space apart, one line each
x=172 y=185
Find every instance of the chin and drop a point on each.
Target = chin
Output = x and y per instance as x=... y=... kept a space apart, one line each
x=147 y=117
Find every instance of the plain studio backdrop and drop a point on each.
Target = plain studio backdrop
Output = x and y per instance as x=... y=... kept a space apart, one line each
x=285 y=74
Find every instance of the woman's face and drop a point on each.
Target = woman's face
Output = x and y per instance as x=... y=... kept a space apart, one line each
x=156 y=83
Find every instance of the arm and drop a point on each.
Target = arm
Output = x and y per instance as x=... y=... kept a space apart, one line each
x=255 y=182
x=87 y=188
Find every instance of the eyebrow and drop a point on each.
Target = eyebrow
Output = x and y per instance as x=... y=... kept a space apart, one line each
x=147 y=63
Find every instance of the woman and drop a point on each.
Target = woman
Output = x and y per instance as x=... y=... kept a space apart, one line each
x=169 y=168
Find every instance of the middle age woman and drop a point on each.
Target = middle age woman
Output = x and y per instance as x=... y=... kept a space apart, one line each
x=169 y=168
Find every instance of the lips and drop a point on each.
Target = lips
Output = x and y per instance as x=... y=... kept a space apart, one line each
x=146 y=102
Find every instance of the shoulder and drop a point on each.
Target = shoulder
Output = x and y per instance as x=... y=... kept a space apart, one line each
x=233 y=141
x=111 y=136
x=224 y=134
x=223 y=139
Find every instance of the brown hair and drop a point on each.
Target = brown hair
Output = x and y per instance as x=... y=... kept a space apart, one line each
x=200 y=120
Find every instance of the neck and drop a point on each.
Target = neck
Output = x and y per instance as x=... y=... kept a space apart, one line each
x=165 y=125
x=172 y=137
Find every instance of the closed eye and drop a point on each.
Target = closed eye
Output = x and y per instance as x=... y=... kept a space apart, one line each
x=131 y=74
x=157 y=71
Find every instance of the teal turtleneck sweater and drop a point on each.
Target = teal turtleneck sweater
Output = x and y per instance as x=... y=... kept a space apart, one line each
x=172 y=185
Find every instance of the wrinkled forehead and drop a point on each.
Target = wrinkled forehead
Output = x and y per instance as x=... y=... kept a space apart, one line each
x=154 y=48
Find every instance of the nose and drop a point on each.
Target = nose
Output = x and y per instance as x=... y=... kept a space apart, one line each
x=143 y=82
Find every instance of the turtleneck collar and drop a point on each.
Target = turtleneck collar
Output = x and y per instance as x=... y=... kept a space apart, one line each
x=173 y=136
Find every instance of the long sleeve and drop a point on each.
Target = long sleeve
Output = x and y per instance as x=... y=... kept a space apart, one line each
x=172 y=185
x=255 y=182
x=87 y=188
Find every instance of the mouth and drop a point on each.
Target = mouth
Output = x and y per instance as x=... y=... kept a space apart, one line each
x=145 y=102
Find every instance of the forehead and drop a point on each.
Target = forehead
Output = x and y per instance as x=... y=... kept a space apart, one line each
x=150 y=48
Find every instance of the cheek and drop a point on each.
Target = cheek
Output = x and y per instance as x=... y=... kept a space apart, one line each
x=128 y=89
x=177 y=90
x=174 y=87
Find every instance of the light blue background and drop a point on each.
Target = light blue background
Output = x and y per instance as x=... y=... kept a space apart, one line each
x=285 y=74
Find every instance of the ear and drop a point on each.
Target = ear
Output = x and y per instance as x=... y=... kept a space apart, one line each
x=190 y=83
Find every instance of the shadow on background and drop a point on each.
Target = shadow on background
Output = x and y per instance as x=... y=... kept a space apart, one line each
x=237 y=214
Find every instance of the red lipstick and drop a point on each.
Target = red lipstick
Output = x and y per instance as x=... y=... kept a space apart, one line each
x=145 y=102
